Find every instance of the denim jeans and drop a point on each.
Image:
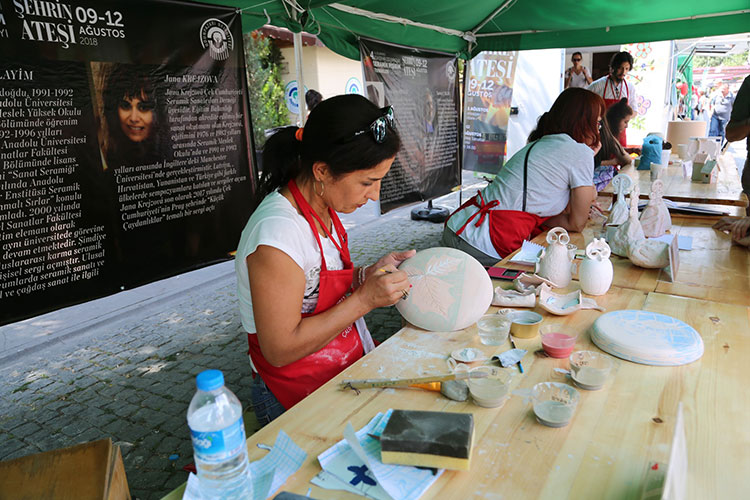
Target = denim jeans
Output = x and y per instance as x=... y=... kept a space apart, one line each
x=265 y=404
x=716 y=127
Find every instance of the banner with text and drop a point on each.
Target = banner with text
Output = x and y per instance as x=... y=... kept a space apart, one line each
x=124 y=146
x=423 y=89
x=489 y=91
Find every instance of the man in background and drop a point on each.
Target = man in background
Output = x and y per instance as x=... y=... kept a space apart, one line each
x=613 y=87
x=721 y=106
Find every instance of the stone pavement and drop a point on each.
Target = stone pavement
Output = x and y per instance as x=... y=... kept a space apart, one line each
x=124 y=366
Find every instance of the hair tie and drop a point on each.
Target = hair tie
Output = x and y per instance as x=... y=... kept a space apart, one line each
x=298 y=134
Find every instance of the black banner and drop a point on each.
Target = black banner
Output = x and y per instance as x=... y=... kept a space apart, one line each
x=124 y=146
x=422 y=87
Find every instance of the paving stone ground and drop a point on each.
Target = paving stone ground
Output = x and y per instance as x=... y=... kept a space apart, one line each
x=132 y=380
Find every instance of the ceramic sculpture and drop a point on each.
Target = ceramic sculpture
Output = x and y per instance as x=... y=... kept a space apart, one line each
x=651 y=254
x=655 y=219
x=450 y=290
x=621 y=185
x=555 y=261
x=631 y=230
x=596 y=270
x=647 y=337
x=562 y=305
x=513 y=298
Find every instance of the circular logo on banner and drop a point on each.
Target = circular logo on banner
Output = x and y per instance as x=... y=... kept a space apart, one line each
x=291 y=97
x=216 y=37
x=353 y=86
x=450 y=72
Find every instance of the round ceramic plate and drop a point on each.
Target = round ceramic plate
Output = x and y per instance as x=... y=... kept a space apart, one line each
x=468 y=355
x=450 y=290
x=647 y=337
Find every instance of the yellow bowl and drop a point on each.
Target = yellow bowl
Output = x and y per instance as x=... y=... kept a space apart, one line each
x=525 y=324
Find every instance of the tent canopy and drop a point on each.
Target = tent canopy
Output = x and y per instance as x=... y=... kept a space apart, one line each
x=467 y=27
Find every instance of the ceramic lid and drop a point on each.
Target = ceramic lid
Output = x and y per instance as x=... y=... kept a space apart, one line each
x=647 y=337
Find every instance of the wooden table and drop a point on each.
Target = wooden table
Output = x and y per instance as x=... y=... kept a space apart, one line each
x=726 y=191
x=715 y=269
x=605 y=452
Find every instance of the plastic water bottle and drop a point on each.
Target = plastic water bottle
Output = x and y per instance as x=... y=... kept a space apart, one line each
x=218 y=434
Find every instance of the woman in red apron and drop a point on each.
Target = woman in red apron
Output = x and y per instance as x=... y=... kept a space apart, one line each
x=548 y=183
x=301 y=298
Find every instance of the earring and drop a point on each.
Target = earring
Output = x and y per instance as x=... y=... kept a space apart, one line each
x=322 y=188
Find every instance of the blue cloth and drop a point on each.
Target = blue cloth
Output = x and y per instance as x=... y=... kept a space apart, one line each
x=265 y=405
x=650 y=151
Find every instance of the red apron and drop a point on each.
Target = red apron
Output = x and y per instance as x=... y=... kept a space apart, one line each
x=508 y=228
x=291 y=383
x=608 y=103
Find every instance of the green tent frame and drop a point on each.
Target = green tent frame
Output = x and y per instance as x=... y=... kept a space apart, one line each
x=467 y=27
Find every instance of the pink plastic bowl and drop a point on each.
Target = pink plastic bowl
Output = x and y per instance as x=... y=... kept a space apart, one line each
x=558 y=345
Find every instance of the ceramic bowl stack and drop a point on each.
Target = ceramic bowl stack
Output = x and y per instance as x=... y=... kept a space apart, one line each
x=647 y=337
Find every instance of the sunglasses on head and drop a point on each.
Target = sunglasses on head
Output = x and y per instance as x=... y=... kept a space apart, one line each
x=379 y=127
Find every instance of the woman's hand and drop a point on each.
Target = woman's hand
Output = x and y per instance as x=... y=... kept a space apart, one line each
x=739 y=229
x=384 y=287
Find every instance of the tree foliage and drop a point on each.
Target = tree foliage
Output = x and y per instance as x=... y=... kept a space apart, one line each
x=740 y=59
x=265 y=86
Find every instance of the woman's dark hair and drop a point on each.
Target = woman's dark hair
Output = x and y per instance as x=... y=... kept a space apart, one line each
x=619 y=58
x=312 y=99
x=128 y=82
x=576 y=54
x=618 y=112
x=611 y=147
x=330 y=136
x=575 y=112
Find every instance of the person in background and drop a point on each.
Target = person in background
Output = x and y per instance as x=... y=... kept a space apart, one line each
x=738 y=128
x=301 y=298
x=547 y=183
x=612 y=155
x=312 y=99
x=721 y=108
x=738 y=229
x=577 y=75
x=613 y=87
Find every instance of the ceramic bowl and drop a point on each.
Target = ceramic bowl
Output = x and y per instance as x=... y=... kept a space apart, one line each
x=558 y=341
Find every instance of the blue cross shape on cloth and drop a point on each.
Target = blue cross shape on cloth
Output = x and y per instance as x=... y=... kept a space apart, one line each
x=360 y=475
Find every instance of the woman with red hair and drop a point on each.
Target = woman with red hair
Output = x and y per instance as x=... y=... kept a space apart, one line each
x=548 y=183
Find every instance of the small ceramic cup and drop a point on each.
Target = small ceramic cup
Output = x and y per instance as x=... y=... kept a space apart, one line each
x=525 y=324
x=558 y=341
x=656 y=169
x=589 y=369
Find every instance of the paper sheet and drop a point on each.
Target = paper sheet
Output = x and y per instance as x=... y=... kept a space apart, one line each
x=529 y=254
x=267 y=474
x=363 y=470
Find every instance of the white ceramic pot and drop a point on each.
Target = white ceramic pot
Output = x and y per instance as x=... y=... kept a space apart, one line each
x=555 y=261
x=596 y=270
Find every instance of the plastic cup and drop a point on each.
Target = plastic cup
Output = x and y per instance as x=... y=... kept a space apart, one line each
x=554 y=403
x=493 y=329
x=655 y=171
x=492 y=391
x=589 y=369
x=558 y=341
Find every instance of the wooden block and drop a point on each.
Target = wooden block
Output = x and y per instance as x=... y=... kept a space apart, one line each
x=86 y=471
x=428 y=439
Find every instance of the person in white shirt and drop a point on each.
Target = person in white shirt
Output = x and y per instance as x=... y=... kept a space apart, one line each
x=577 y=75
x=614 y=86
x=547 y=183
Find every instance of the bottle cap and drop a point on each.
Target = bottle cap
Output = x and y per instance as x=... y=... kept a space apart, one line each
x=209 y=380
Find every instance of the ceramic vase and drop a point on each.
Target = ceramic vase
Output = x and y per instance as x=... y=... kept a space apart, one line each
x=596 y=270
x=555 y=261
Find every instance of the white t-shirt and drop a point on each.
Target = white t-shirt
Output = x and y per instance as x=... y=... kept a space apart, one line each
x=626 y=89
x=276 y=223
x=557 y=164
x=577 y=79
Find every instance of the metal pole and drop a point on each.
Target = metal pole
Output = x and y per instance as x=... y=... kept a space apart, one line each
x=300 y=82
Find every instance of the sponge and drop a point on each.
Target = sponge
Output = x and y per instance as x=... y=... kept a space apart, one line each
x=428 y=439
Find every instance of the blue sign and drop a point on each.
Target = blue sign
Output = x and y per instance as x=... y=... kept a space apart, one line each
x=353 y=86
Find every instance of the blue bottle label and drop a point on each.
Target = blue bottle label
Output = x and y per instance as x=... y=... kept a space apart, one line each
x=219 y=445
